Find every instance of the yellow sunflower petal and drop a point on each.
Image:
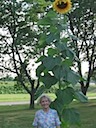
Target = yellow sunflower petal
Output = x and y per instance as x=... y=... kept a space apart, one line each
x=62 y=6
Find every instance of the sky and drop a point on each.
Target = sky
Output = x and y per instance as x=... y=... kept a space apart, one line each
x=84 y=67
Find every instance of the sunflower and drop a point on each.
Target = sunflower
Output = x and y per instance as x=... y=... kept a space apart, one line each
x=62 y=6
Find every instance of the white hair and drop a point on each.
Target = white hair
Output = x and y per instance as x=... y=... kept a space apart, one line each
x=44 y=96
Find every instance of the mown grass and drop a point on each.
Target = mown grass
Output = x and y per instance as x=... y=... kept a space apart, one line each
x=20 y=116
x=14 y=97
x=87 y=113
x=19 y=97
x=16 y=116
x=26 y=97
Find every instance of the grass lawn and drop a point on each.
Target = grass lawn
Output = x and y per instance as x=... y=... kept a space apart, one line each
x=26 y=97
x=20 y=116
x=18 y=97
x=87 y=113
x=14 y=97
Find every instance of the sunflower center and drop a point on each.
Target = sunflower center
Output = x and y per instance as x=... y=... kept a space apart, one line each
x=62 y=5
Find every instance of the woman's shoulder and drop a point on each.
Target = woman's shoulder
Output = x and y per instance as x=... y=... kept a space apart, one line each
x=38 y=111
x=53 y=110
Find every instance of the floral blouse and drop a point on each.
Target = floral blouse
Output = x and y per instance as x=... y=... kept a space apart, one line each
x=48 y=119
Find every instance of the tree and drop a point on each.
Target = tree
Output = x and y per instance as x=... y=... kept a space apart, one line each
x=18 y=40
x=82 y=25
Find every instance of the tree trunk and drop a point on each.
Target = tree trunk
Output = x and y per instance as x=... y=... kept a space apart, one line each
x=32 y=100
x=84 y=89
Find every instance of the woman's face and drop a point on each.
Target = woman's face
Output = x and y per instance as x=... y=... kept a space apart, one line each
x=45 y=103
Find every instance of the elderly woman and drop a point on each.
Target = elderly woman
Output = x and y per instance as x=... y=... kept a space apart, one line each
x=46 y=117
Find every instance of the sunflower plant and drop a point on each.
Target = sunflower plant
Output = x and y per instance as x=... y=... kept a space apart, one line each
x=57 y=60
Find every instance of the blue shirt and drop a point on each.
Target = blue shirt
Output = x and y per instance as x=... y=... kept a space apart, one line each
x=48 y=119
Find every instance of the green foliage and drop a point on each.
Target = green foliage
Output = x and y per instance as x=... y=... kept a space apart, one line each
x=61 y=104
x=79 y=96
x=72 y=116
x=11 y=87
x=50 y=62
x=8 y=78
x=40 y=90
x=12 y=90
x=63 y=98
x=48 y=80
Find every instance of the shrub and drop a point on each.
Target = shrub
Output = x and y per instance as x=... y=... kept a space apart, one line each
x=11 y=89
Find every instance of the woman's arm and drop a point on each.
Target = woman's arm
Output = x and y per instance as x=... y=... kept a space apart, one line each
x=57 y=120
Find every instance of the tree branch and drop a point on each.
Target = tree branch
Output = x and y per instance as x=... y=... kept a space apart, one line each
x=7 y=68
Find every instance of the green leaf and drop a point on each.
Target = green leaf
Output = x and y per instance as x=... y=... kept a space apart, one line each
x=80 y=96
x=50 y=62
x=40 y=69
x=61 y=46
x=65 y=96
x=45 y=21
x=67 y=62
x=48 y=80
x=72 y=77
x=51 y=14
x=71 y=116
x=60 y=72
x=52 y=52
x=40 y=59
x=65 y=40
x=39 y=91
x=52 y=37
x=42 y=40
x=53 y=29
x=57 y=105
x=70 y=54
